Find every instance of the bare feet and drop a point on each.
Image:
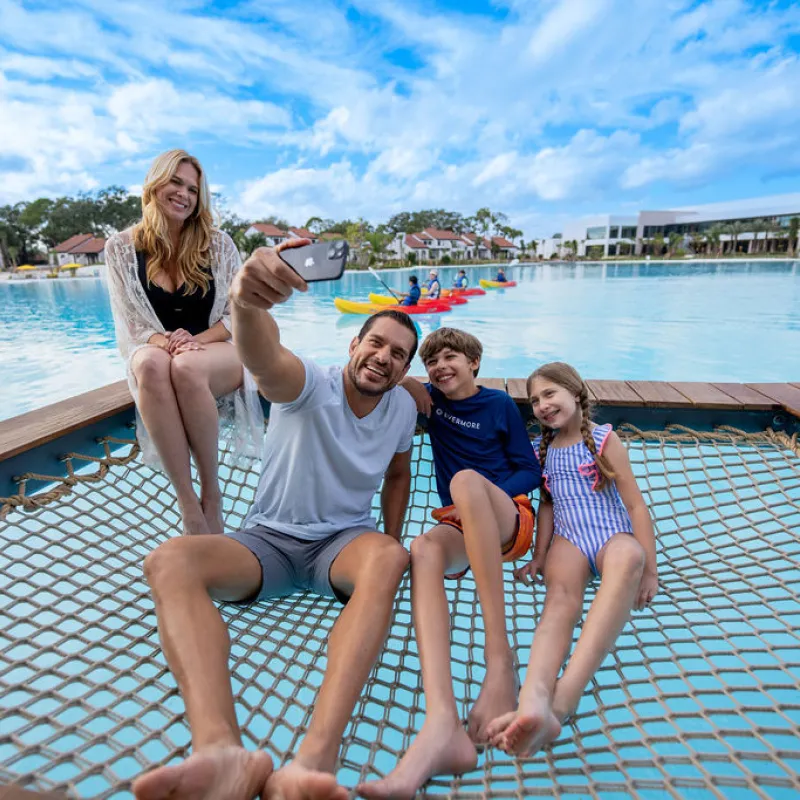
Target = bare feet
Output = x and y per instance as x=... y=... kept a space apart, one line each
x=194 y=520
x=229 y=772
x=212 y=512
x=528 y=729
x=498 y=696
x=295 y=782
x=439 y=749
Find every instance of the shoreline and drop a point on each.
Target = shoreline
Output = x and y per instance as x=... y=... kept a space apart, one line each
x=11 y=277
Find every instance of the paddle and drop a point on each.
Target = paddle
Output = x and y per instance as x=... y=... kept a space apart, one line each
x=375 y=275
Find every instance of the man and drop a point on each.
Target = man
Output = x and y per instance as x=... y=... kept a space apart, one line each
x=434 y=287
x=411 y=298
x=333 y=435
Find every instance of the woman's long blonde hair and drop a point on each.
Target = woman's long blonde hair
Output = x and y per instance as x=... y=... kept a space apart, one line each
x=567 y=377
x=152 y=234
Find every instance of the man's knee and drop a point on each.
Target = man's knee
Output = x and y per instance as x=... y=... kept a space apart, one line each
x=172 y=563
x=385 y=564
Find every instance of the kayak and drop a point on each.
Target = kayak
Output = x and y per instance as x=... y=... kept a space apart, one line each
x=468 y=292
x=355 y=307
x=385 y=300
x=496 y=284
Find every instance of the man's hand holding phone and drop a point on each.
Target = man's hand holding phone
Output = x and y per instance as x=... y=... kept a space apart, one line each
x=265 y=279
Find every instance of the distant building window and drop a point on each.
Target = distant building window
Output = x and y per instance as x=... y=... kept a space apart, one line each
x=628 y=232
x=596 y=233
x=614 y=234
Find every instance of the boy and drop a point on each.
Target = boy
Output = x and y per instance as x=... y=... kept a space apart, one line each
x=485 y=467
x=461 y=281
x=411 y=298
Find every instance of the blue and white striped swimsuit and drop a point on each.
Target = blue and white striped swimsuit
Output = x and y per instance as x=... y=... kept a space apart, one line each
x=581 y=515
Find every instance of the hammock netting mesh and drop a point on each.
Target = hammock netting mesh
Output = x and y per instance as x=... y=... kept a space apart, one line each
x=699 y=699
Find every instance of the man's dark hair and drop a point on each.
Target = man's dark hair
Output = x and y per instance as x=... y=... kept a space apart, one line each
x=413 y=279
x=398 y=316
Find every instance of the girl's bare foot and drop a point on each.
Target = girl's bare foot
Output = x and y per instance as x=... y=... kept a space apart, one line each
x=528 y=729
x=441 y=748
x=216 y=772
x=296 y=782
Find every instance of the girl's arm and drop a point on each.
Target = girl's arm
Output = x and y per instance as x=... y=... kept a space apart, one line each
x=544 y=535
x=631 y=495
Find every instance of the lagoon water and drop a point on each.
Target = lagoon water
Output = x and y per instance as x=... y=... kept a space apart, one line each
x=687 y=321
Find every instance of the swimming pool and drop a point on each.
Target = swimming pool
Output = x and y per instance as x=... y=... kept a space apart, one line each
x=683 y=321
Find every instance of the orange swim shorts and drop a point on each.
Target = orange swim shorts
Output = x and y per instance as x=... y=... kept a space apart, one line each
x=519 y=544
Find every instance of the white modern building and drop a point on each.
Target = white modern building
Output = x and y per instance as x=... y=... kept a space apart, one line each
x=755 y=220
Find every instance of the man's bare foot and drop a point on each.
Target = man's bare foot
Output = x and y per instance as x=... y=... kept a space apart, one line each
x=439 y=749
x=211 y=774
x=296 y=782
x=528 y=729
x=212 y=512
x=498 y=695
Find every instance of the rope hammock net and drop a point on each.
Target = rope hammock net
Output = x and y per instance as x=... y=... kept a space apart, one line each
x=699 y=699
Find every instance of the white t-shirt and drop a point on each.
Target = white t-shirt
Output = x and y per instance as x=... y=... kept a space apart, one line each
x=322 y=465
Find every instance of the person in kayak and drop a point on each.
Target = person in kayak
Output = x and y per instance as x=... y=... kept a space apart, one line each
x=411 y=298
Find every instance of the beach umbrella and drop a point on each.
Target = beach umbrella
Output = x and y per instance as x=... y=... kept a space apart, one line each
x=25 y=267
x=71 y=265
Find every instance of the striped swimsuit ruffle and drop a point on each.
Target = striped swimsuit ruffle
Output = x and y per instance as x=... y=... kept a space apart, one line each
x=581 y=515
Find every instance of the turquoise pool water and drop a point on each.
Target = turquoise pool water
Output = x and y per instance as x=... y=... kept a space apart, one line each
x=682 y=321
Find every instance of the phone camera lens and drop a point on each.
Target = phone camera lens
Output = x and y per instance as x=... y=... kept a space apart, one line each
x=334 y=251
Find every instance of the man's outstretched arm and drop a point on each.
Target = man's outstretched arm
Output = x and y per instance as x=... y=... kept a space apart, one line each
x=264 y=281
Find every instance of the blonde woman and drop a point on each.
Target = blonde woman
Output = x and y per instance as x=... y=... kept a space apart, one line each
x=168 y=279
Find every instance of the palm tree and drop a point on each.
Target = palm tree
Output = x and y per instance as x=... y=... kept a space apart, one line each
x=674 y=240
x=757 y=226
x=658 y=244
x=714 y=236
x=735 y=229
x=794 y=225
x=698 y=241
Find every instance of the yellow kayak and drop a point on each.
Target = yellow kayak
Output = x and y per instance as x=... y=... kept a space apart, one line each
x=354 y=307
x=496 y=284
x=382 y=299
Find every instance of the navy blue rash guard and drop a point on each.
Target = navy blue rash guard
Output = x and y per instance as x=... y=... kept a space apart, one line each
x=413 y=296
x=486 y=433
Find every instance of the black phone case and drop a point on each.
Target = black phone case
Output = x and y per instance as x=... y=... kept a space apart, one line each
x=323 y=261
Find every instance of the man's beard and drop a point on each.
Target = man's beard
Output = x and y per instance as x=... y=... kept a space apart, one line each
x=367 y=391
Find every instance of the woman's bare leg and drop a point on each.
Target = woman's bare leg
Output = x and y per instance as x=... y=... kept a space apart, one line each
x=198 y=378
x=162 y=417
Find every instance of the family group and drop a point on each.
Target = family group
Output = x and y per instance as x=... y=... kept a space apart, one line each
x=195 y=327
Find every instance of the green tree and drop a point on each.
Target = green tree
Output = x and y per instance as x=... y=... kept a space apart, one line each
x=658 y=244
x=378 y=242
x=318 y=225
x=714 y=236
x=674 y=242
x=735 y=230
x=794 y=225
x=247 y=245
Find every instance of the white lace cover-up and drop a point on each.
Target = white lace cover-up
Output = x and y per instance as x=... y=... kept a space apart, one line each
x=241 y=417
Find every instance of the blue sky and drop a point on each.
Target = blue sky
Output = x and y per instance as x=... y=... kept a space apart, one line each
x=546 y=109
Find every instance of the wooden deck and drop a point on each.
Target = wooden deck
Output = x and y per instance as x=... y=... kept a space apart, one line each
x=36 y=428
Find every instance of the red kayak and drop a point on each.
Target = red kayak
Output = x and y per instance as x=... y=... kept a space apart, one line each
x=475 y=292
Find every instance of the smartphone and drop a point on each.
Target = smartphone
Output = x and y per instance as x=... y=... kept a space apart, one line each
x=323 y=261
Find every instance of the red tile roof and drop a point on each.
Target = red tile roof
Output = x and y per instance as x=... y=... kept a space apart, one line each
x=423 y=236
x=268 y=229
x=437 y=233
x=73 y=241
x=304 y=233
x=91 y=245
x=412 y=240
x=501 y=242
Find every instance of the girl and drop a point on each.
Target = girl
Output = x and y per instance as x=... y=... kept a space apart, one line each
x=168 y=279
x=592 y=521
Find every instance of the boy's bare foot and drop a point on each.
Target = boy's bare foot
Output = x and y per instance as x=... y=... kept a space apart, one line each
x=296 y=782
x=528 y=729
x=439 y=749
x=216 y=772
x=498 y=695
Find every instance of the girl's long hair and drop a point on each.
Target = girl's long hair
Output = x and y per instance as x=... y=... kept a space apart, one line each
x=567 y=377
x=151 y=234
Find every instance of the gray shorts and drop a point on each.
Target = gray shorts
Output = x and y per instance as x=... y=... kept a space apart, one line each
x=290 y=565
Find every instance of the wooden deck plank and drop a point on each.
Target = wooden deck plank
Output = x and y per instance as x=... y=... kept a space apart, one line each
x=750 y=399
x=660 y=393
x=517 y=390
x=706 y=395
x=35 y=428
x=614 y=393
x=784 y=393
